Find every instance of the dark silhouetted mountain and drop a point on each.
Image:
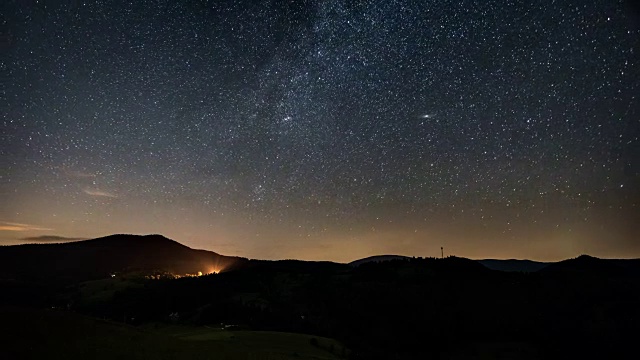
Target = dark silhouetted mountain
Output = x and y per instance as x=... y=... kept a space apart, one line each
x=513 y=265
x=97 y=258
x=377 y=259
x=586 y=264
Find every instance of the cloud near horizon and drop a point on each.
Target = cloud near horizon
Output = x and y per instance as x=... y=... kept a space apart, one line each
x=97 y=192
x=51 y=238
x=12 y=226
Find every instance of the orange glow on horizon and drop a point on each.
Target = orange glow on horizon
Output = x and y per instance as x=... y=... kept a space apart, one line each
x=212 y=270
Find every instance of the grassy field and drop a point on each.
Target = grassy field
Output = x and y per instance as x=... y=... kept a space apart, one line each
x=282 y=344
x=103 y=290
x=49 y=334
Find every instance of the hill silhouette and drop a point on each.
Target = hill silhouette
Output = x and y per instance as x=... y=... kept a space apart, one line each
x=97 y=258
x=386 y=307
x=513 y=265
x=377 y=258
x=585 y=264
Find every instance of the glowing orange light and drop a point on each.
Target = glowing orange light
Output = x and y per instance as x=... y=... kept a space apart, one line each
x=218 y=266
x=212 y=270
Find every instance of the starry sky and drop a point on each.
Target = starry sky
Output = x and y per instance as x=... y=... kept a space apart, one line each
x=325 y=130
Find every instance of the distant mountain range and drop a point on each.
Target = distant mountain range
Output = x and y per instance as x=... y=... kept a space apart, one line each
x=586 y=264
x=377 y=259
x=514 y=265
x=583 y=263
x=97 y=258
x=493 y=264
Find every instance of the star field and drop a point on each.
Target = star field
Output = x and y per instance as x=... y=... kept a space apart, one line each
x=326 y=129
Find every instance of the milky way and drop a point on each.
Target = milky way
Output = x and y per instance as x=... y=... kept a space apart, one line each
x=326 y=129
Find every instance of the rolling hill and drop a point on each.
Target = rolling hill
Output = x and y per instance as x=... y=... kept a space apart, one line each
x=585 y=264
x=513 y=265
x=97 y=258
x=377 y=259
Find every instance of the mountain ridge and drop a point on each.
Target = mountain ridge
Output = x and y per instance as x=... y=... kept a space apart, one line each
x=99 y=257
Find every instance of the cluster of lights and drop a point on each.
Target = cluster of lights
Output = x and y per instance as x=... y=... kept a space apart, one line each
x=178 y=276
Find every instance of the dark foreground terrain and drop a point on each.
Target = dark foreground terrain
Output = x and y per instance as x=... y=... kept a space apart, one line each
x=398 y=308
x=51 y=334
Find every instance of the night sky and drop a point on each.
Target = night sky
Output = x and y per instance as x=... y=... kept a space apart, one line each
x=328 y=130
